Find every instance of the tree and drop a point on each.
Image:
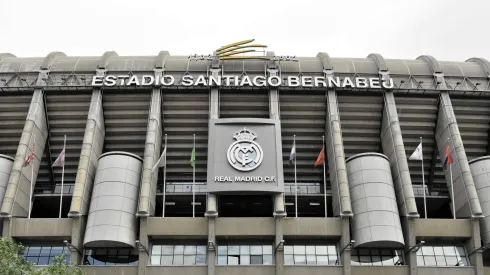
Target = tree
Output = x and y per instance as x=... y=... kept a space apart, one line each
x=59 y=267
x=11 y=261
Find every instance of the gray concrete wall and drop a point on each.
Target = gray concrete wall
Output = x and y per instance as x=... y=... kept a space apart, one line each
x=176 y=226
x=394 y=149
x=336 y=158
x=93 y=143
x=440 y=228
x=111 y=219
x=245 y=227
x=313 y=270
x=380 y=270
x=442 y=270
x=176 y=270
x=376 y=222
x=110 y=270
x=245 y=270
x=312 y=227
x=152 y=153
x=6 y=163
x=16 y=200
x=41 y=228
x=465 y=196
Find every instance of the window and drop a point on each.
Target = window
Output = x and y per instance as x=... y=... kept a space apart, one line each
x=44 y=255
x=245 y=255
x=310 y=255
x=178 y=255
x=442 y=256
x=111 y=257
x=376 y=257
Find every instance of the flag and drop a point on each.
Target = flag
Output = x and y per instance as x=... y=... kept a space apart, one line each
x=60 y=161
x=162 y=161
x=448 y=159
x=321 y=157
x=292 y=155
x=417 y=154
x=30 y=156
x=193 y=157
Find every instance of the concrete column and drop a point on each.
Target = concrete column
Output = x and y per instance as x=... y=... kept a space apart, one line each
x=344 y=241
x=408 y=225
x=21 y=183
x=93 y=143
x=465 y=196
x=476 y=259
x=147 y=197
x=211 y=253
x=144 y=241
x=77 y=234
x=394 y=149
x=279 y=253
x=336 y=158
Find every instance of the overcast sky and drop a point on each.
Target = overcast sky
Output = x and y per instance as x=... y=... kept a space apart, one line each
x=446 y=29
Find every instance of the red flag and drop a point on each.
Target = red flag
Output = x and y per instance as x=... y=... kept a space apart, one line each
x=30 y=156
x=448 y=158
x=321 y=157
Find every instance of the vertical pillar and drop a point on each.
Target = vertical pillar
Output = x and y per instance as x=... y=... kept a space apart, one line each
x=476 y=259
x=211 y=253
x=145 y=242
x=16 y=201
x=153 y=145
x=408 y=225
x=344 y=242
x=77 y=233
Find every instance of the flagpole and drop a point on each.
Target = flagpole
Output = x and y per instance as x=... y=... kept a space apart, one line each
x=324 y=182
x=194 y=181
x=451 y=178
x=423 y=176
x=32 y=179
x=295 y=179
x=62 y=175
x=164 y=177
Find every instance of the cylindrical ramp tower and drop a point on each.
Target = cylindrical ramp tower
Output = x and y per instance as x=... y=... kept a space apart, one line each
x=6 y=163
x=376 y=221
x=480 y=169
x=112 y=216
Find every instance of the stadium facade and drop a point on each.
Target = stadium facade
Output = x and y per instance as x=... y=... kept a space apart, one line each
x=225 y=198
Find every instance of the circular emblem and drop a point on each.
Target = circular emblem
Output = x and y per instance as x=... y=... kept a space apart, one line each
x=245 y=154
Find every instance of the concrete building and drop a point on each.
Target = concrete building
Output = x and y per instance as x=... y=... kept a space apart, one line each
x=240 y=206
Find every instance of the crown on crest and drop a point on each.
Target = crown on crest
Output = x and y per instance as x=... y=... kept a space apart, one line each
x=245 y=135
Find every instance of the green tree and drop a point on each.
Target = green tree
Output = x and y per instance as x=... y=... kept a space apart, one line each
x=11 y=261
x=59 y=267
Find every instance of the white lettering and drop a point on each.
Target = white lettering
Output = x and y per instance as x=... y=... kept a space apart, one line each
x=110 y=80
x=133 y=80
x=227 y=79
x=347 y=82
x=260 y=83
x=374 y=82
x=213 y=81
x=320 y=80
x=361 y=82
x=391 y=84
x=306 y=81
x=245 y=81
x=293 y=81
x=334 y=83
x=187 y=80
x=274 y=81
x=148 y=83
x=97 y=80
x=201 y=80
x=171 y=80
x=122 y=77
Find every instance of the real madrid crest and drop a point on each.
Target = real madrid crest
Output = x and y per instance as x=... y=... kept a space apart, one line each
x=245 y=154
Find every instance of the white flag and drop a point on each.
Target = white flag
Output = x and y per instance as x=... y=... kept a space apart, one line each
x=161 y=161
x=60 y=161
x=417 y=154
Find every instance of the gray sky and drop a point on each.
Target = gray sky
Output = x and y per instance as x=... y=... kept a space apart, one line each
x=447 y=29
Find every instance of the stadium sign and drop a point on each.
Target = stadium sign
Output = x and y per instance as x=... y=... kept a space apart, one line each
x=243 y=81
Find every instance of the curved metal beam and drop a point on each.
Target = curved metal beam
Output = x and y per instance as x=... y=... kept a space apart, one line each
x=104 y=60
x=380 y=61
x=50 y=58
x=325 y=59
x=160 y=61
x=6 y=55
x=482 y=62
x=432 y=62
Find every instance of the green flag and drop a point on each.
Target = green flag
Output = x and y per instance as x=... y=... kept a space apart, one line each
x=193 y=157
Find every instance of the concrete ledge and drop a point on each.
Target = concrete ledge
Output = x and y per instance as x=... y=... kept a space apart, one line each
x=110 y=270
x=245 y=227
x=486 y=270
x=177 y=226
x=176 y=270
x=48 y=228
x=440 y=228
x=381 y=270
x=246 y=270
x=449 y=270
x=313 y=270
x=312 y=227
